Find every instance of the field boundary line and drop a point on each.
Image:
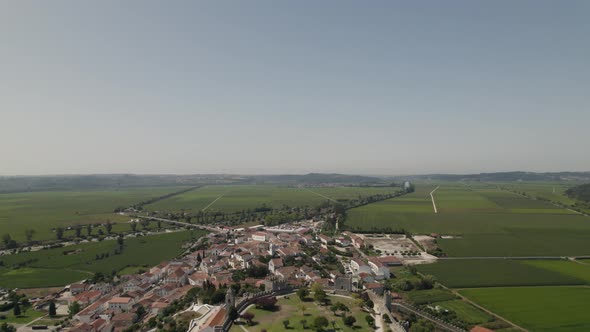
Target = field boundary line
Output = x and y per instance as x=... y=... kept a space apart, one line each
x=215 y=200
x=324 y=196
x=466 y=299
x=548 y=202
x=522 y=286
x=486 y=310
x=432 y=197
x=579 y=262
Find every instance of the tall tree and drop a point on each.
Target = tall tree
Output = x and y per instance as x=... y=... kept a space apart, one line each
x=348 y=320
x=120 y=241
x=29 y=233
x=320 y=322
x=320 y=296
x=302 y=293
x=145 y=224
x=248 y=316
x=6 y=238
x=52 y=309
x=5 y=327
x=59 y=233
x=74 y=308
x=78 y=230
x=303 y=323
x=9 y=243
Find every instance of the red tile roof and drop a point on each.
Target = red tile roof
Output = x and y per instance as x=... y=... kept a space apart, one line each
x=478 y=328
x=217 y=318
x=123 y=300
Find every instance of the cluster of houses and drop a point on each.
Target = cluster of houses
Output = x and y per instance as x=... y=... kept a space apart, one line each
x=115 y=307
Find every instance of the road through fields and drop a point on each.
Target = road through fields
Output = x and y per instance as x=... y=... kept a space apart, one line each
x=432 y=197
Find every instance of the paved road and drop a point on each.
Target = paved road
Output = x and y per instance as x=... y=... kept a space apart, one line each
x=380 y=305
x=25 y=328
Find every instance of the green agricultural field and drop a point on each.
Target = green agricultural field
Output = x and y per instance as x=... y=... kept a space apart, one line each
x=540 y=238
x=397 y=213
x=430 y=296
x=553 y=191
x=461 y=199
x=538 y=308
x=289 y=308
x=42 y=211
x=485 y=221
x=39 y=277
x=133 y=270
x=466 y=312
x=578 y=270
x=232 y=198
x=491 y=272
x=60 y=266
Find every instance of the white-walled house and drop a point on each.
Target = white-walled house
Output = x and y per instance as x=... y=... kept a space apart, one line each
x=359 y=266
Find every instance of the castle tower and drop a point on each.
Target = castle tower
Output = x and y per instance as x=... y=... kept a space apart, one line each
x=387 y=300
x=230 y=298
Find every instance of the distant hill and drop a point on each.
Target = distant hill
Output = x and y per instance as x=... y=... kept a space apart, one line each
x=507 y=176
x=318 y=178
x=10 y=184
x=112 y=181
x=581 y=192
x=107 y=181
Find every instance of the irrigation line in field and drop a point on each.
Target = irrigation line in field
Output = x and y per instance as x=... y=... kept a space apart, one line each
x=432 y=197
x=324 y=196
x=206 y=207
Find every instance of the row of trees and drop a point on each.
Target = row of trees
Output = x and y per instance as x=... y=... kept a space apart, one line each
x=10 y=243
x=108 y=226
x=145 y=223
x=139 y=206
x=263 y=214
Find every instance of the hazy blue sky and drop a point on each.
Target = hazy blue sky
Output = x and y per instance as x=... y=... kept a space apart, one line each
x=273 y=86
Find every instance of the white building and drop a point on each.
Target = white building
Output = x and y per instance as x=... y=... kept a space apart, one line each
x=358 y=266
x=259 y=236
x=379 y=269
x=120 y=303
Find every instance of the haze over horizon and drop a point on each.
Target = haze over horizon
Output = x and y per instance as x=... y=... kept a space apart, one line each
x=184 y=87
